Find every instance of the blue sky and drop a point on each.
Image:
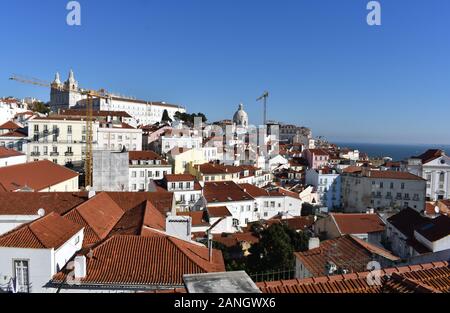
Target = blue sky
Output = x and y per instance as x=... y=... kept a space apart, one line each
x=324 y=66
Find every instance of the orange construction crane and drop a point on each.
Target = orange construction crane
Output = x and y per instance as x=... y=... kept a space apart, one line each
x=90 y=95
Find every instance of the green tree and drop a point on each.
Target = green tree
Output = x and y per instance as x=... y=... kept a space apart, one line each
x=165 y=117
x=40 y=107
x=274 y=251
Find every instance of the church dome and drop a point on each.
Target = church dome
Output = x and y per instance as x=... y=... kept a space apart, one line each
x=240 y=118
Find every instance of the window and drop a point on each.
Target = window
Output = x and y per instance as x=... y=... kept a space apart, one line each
x=133 y=174
x=392 y=185
x=272 y=204
x=403 y=186
x=36 y=128
x=134 y=187
x=21 y=271
x=45 y=150
x=69 y=130
x=142 y=174
x=381 y=185
x=192 y=197
x=180 y=185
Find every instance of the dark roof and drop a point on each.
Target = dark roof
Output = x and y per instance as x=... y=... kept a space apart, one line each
x=430 y=155
x=407 y=220
x=436 y=229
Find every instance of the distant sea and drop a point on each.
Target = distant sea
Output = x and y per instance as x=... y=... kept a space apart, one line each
x=396 y=152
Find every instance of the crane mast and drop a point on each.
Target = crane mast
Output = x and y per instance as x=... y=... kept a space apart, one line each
x=264 y=98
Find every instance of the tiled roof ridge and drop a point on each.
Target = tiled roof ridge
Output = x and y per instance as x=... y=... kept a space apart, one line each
x=358 y=275
x=174 y=242
x=413 y=284
x=23 y=227
x=336 y=223
x=367 y=245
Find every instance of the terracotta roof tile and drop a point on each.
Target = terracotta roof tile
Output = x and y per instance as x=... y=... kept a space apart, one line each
x=358 y=223
x=218 y=211
x=6 y=153
x=146 y=261
x=28 y=203
x=50 y=231
x=36 y=175
x=9 y=126
x=393 y=175
x=346 y=252
x=99 y=215
x=224 y=192
x=421 y=278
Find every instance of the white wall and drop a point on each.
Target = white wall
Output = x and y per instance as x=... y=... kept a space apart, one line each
x=40 y=266
x=9 y=222
x=20 y=159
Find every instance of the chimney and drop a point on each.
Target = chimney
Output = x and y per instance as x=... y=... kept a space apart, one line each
x=80 y=267
x=313 y=243
x=91 y=194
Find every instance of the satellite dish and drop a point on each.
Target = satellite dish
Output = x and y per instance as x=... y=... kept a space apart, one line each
x=41 y=212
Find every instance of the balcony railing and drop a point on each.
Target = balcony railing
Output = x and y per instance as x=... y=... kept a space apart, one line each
x=54 y=153
x=68 y=153
x=35 y=153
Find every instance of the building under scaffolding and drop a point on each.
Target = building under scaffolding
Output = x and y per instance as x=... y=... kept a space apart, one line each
x=110 y=171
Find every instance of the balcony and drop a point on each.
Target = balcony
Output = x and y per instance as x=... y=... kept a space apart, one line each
x=54 y=153
x=68 y=153
x=34 y=153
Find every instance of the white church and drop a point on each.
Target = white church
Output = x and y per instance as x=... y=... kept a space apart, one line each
x=67 y=95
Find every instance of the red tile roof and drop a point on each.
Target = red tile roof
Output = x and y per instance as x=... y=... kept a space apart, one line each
x=50 y=231
x=157 y=261
x=146 y=156
x=99 y=215
x=36 y=175
x=14 y=133
x=210 y=169
x=6 y=153
x=431 y=277
x=347 y=252
x=28 y=203
x=172 y=178
x=162 y=201
x=231 y=240
x=394 y=175
x=224 y=192
x=357 y=223
x=9 y=126
x=198 y=218
x=218 y=211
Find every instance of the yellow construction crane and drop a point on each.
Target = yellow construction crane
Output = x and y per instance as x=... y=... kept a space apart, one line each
x=90 y=95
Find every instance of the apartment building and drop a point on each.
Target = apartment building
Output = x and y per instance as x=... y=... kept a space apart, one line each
x=381 y=190
x=144 y=168
x=60 y=139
